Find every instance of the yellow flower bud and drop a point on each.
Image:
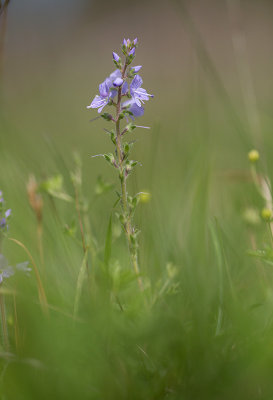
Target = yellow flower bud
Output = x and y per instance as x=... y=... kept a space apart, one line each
x=266 y=214
x=144 y=197
x=253 y=156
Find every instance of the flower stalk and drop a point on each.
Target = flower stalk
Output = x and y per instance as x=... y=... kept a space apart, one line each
x=122 y=176
x=123 y=90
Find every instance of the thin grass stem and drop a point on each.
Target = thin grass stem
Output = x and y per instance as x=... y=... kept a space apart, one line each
x=41 y=291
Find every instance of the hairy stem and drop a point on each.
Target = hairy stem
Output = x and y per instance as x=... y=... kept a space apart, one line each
x=122 y=176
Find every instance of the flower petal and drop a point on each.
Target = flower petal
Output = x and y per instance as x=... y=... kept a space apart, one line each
x=97 y=102
x=116 y=74
x=104 y=89
x=136 y=83
x=124 y=89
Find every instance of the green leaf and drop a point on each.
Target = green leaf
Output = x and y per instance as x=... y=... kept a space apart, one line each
x=127 y=112
x=110 y=158
x=265 y=255
x=107 y=116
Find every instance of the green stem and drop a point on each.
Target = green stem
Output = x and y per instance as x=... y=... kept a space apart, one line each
x=122 y=176
x=270 y=232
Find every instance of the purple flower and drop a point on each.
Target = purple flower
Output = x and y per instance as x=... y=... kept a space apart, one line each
x=3 y=223
x=133 y=108
x=116 y=57
x=137 y=92
x=7 y=272
x=8 y=213
x=135 y=41
x=5 y=269
x=106 y=92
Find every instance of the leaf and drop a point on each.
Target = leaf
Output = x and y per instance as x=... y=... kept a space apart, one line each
x=109 y=157
x=107 y=116
x=264 y=255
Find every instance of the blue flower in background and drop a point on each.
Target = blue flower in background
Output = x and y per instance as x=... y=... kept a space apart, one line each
x=4 y=214
x=6 y=270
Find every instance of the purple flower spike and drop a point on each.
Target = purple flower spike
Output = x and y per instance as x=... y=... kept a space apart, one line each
x=116 y=57
x=137 y=92
x=135 y=41
x=132 y=52
x=118 y=82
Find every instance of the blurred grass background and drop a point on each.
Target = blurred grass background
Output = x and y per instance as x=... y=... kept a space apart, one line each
x=209 y=65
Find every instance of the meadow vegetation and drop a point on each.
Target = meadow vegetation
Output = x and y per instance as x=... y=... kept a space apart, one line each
x=194 y=320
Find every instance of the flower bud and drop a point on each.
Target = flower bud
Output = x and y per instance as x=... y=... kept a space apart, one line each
x=136 y=69
x=116 y=57
x=118 y=82
x=266 y=214
x=145 y=197
x=132 y=52
x=253 y=156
